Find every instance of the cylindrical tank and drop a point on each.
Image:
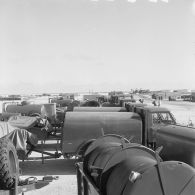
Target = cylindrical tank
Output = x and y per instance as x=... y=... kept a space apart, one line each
x=82 y=126
x=174 y=178
x=99 y=152
x=178 y=143
x=100 y=156
x=109 y=104
x=49 y=110
x=108 y=151
x=108 y=155
x=24 y=109
x=90 y=103
x=132 y=169
x=99 y=109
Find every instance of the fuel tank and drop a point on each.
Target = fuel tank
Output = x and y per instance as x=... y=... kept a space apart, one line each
x=90 y=103
x=82 y=126
x=24 y=109
x=104 y=155
x=174 y=178
x=178 y=143
x=48 y=110
x=99 y=109
x=110 y=104
x=117 y=167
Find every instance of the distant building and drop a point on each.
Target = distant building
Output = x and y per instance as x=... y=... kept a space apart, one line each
x=10 y=97
x=172 y=95
x=193 y=96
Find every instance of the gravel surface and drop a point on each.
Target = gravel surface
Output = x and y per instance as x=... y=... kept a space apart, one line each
x=65 y=169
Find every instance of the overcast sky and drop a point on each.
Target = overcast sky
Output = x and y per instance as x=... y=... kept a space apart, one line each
x=82 y=45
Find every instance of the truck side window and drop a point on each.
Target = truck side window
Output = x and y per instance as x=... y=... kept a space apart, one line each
x=156 y=118
x=166 y=118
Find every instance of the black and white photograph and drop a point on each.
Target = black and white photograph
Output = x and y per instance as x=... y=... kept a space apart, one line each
x=97 y=97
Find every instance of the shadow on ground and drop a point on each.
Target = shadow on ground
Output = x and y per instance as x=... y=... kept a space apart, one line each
x=50 y=167
x=35 y=186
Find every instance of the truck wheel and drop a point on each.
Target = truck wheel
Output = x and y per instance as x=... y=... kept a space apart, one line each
x=9 y=166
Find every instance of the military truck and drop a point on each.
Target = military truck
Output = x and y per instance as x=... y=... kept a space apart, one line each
x=148 y=125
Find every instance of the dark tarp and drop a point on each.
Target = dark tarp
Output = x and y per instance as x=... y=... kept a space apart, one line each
x=28 y=122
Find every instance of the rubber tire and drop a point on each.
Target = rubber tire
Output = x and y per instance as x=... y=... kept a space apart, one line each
x=9 y=164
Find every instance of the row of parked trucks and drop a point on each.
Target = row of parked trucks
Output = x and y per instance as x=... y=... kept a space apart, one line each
x=136 y=148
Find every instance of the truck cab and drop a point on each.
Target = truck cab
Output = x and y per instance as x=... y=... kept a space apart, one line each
x=152 y=119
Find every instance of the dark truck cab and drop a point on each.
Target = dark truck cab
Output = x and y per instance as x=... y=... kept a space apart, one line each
x=153 y=118
x=161 y=130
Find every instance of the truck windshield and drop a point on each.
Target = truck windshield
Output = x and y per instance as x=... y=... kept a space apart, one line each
x=163 y=117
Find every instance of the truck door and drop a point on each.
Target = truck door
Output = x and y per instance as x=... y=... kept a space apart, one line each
x=143 y=115
x=155 y=121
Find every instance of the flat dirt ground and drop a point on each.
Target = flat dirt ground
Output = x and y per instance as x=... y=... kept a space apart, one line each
x=65 y=169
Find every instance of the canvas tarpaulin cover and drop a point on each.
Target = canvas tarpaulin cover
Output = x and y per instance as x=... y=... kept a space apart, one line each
x=28 y=122
x=23 y=122
x=19 y=137
x=36 y=125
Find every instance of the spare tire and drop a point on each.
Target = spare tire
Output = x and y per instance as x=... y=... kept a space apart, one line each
x=9 y=165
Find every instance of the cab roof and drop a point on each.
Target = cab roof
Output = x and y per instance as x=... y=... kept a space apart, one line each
x=155 y=109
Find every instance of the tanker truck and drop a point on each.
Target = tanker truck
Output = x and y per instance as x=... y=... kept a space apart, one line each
x=147 y=125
